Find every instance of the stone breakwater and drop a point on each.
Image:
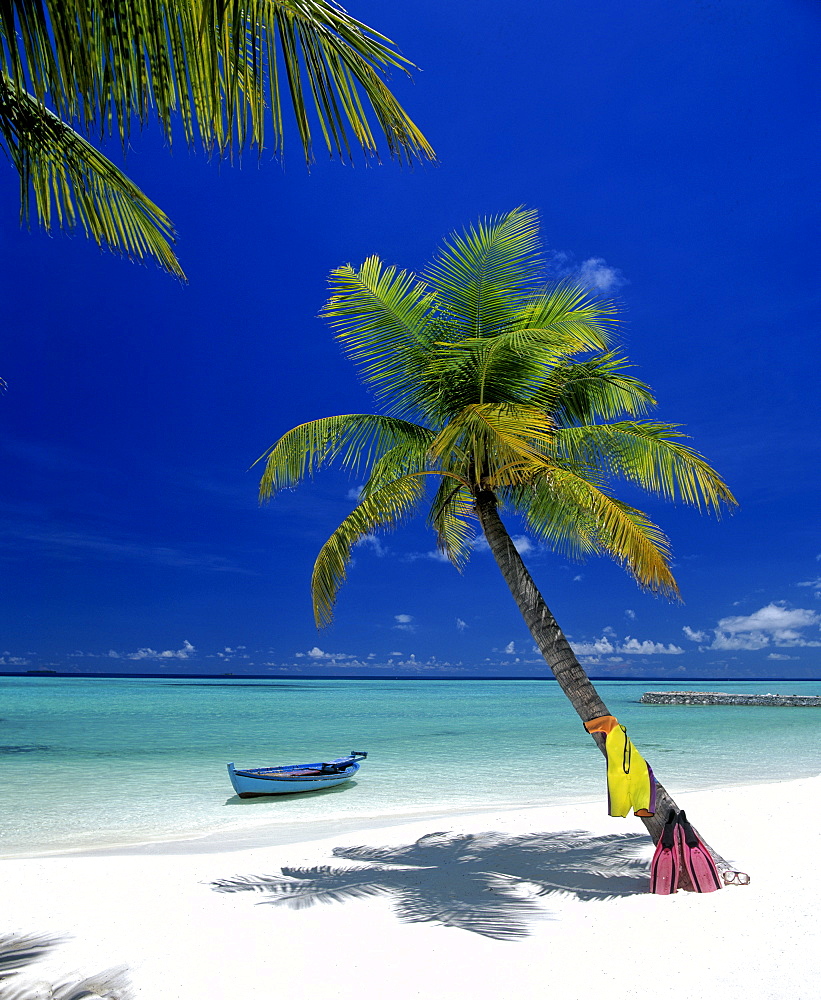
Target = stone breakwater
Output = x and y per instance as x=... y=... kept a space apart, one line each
x=720 y=698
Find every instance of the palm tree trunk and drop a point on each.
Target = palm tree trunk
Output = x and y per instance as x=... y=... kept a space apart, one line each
x=553 y=643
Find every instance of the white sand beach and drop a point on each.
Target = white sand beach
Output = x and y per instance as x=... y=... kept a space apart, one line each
x=490 y=906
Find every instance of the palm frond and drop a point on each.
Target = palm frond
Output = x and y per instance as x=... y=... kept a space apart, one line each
x=383 y=509
x=570 y=313
x=482 y=277
x=453 y=517
x=17 y=951
x=356 y=440
x=222 y=68
x=406 y=458
x=380 y=314
x=492 y=437
x=650 y=455
x=75 y=185
x=577 y=517
x=596 y=389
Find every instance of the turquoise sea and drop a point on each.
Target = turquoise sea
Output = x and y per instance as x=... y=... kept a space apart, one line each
x=111 y=762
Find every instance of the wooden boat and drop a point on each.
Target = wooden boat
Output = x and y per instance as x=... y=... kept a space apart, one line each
x=251 y=782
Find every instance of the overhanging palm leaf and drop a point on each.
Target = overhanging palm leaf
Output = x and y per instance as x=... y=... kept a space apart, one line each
x=75 y=185
x=219 y=71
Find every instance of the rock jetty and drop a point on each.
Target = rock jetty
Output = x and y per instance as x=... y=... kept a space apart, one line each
x=721 y=698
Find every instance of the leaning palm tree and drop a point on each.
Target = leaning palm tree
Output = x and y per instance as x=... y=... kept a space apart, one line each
x=226 y=74
x=498 y=391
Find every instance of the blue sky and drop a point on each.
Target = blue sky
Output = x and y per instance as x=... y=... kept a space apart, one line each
x=669 y=151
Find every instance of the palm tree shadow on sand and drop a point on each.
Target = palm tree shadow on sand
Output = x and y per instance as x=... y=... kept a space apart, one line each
x=490 y=884
x=20 y=953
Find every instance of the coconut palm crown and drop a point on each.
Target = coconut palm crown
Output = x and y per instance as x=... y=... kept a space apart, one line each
x=497 y=389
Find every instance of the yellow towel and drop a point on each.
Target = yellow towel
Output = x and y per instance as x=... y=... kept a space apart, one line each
x=630 y=781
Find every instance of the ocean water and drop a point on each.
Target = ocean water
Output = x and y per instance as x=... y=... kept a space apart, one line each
x=110 y=762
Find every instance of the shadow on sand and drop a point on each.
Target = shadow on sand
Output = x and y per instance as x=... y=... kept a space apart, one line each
x=21 y=953
x=489 y=884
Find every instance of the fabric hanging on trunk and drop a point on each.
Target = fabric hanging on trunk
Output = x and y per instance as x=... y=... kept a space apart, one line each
x=630 y=781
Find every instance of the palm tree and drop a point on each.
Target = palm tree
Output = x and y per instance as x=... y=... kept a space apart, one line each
x=499 y=389
x=223 y=73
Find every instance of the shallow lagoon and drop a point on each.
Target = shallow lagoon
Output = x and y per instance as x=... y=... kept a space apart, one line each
x=90 y=762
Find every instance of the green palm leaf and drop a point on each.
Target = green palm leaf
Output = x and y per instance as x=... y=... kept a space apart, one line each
x=222 y=73
x=483 y=276
x=380 y=315
x=383 y=509
x=453 y=518
x=75 y=185
x=576 y=516
x=649 y=454
x=487 y=440
x=409 y=457
x=594 y=389
x=356 y=440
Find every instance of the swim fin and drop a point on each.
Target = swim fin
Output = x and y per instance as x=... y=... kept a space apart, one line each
x=695 y=857
x=665 y=866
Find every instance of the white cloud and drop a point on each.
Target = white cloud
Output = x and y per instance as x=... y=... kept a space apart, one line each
x=630 y=614
x=404 y=623
x=354 y=494
x=521 y=543
x=694 y=635
x=597 y=274
x=781 y=656
x=747 y=641
x=578 y=578
x=594 y=272
x=146 y=653
x=773 y=624
x=775 y=618
x=373 y=543
x=319 y=655
x=13 y=661
x=435 y=555
x=461 y=625
x=647 y=646
x=815 y=584
x=510 y=648
x=604 y=645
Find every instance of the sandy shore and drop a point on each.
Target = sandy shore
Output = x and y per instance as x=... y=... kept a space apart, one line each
x=507 y=906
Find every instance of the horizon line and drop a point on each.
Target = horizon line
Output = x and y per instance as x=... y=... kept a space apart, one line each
x=45 y=672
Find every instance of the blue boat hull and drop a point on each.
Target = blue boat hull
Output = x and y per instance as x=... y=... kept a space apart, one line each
x=253 y=782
